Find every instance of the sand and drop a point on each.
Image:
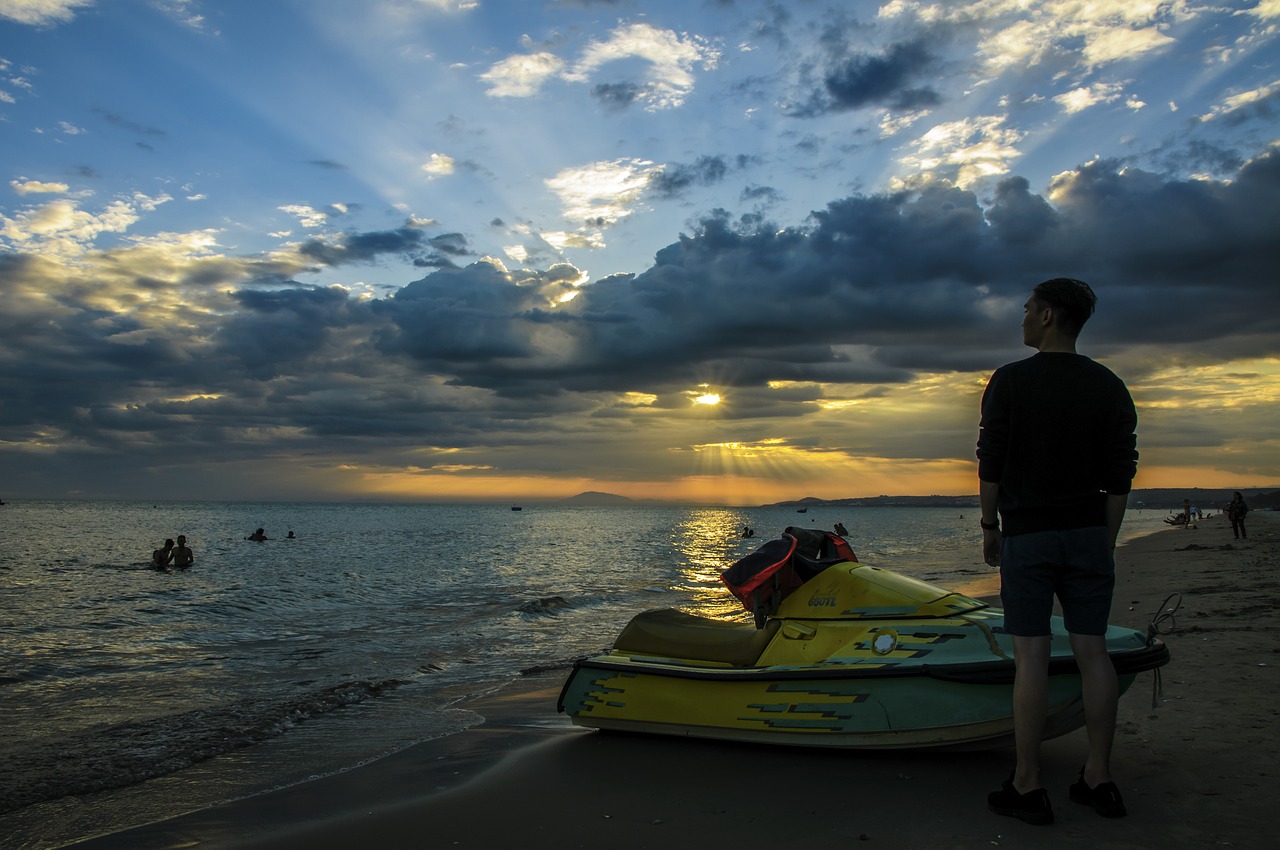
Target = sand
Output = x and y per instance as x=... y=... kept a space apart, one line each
x=1198 y=770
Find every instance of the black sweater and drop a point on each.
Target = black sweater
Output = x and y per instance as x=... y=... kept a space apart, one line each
x=1057 y=435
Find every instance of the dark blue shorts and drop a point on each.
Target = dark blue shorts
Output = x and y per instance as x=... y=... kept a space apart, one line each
x=1077 y=565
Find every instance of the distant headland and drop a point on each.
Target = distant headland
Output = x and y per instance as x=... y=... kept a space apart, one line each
x=1259 y=498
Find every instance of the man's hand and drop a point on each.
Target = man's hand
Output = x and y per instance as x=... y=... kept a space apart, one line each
x=991 y=546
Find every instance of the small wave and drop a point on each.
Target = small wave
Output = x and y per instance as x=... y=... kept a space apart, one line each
x=551 y=666
x=545 y=605
x=128 y=753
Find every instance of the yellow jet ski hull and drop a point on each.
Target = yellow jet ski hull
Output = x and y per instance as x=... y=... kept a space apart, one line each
x=857 y=657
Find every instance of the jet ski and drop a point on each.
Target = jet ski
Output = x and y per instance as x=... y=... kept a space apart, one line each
x=842 y=654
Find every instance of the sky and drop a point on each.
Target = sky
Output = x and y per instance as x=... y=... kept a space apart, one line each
x=711 y=251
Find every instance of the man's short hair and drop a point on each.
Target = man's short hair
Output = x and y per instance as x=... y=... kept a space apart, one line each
x=1073 y=301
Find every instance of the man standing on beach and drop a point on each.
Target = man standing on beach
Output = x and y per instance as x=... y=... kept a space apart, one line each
x=1056 y=460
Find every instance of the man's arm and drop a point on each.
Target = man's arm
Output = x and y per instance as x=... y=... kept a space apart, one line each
x=1115 y=515
x=993 y=441
x=989 y=497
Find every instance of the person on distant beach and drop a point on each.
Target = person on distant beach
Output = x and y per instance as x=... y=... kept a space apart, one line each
x=182 y=555
x=1236 y=511
x=258 y=535
x=1186 y=513
x=1056 y=460
x=160 y=558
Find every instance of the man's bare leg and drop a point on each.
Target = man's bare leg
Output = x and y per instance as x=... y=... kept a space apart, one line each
x=1030 y=707
x=1101 y=696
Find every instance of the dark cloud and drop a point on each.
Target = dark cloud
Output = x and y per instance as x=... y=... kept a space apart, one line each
x=408 y=241
x=287 y=331
x=1264 y=108
x=899 y=78
x=873 y=290
x=903 y=275
x=130 y=125
x=678 y=177
x=760 y=195
x=616 y=95
x=327 y=164
x=1019 y=217
x=455 y=318
x=888 y=79
x=454 y=244
x=1198 y=156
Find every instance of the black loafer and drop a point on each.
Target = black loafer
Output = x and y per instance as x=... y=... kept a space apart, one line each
x=1105 y=797
x=1032 y=807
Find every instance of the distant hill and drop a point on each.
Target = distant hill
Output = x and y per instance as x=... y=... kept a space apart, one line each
x=882 y=502
x=593 y=498
x=1258 y=498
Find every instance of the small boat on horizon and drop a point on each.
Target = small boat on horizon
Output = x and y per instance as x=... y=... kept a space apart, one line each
x=517 y=508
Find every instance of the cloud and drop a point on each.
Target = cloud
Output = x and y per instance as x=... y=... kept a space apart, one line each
x=965 y=150
x=448 y=5
x=41 y=12
x=600 y=194
x=1109 y=45
x=888 y=79
x=185 y=12
x=1267 y=10
x=1260 y=100
x=363 y=247
x=307 y=216
x=675 y=178
x=1080 y=99
x=459 y=319
x=60 y=228
x=670 y=59
x=521 y=76
x=616 y=95
x=30 y=187
x=886 y=304
x=898 y=78
x=438 y=165
x=1088 y=34
x=129 y=124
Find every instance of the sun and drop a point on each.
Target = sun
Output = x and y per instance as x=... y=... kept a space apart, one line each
x=708 y=399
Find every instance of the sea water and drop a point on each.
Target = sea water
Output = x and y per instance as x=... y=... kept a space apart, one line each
x=270 y=663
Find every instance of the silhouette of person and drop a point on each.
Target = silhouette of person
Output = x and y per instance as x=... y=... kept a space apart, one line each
x=1056 y=461
x=160 y=558
x=1236 y=510
x=182 y=555
x=258 y=535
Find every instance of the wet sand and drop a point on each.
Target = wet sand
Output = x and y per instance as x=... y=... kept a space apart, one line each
x=1199 y=770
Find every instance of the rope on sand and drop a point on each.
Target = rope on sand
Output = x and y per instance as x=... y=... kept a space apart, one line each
x=1154 y=629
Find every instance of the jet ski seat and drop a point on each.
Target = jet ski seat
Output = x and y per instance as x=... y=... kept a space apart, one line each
x=669 y=633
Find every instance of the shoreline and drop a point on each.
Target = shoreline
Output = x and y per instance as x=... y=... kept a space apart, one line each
x=1195 y=772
